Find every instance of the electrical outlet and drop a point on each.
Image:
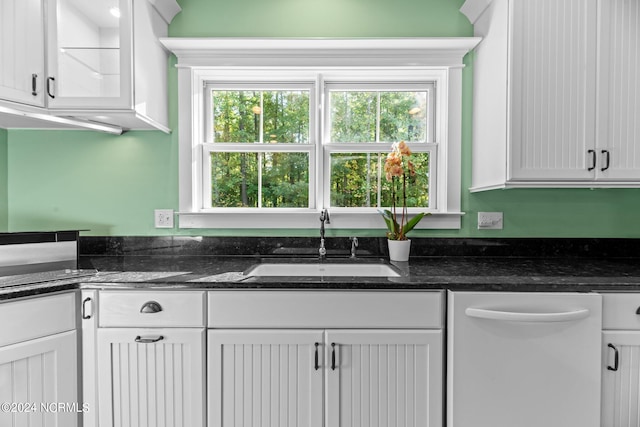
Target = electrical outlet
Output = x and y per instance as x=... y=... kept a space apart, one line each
x=489 y=220
x=163 y=218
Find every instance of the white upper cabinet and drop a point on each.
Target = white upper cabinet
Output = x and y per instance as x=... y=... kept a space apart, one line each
x=89 y=53
x=619 y=90
x=22 y=51
x=104 y=63
x=555 y=99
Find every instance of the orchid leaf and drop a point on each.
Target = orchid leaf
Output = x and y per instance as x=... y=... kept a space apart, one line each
x=392 y=225
x=413 y=222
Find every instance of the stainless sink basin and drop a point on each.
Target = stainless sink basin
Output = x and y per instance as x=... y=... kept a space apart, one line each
x=323 y=269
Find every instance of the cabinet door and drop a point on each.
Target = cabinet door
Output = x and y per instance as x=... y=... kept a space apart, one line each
x=619 y=90
x=382 y=378
x=265 y=378
x=552 y=89
x=41 y=372
x=620 y=378
x=22 y=51
x=89 y=47
x=151 y=377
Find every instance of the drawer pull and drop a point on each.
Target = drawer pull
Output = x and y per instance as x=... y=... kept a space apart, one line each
x=85 y=316
x=333 y=356
x=149 y=340
x=150 y=307
x=616 y=358
x=34 y=84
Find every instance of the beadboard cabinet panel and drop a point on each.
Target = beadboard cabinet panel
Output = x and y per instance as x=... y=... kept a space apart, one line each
x=619 y=90
x=553 y=88
x=265 y=378
x=40 y=372
x=152 y=384
x=621 y=379
x=384 y=378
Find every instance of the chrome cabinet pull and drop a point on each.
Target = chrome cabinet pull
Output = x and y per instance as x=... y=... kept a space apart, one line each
x=149 y=340
x=616 y=358
x=593 y=159
x=151 y=307
x=49 y=81
x=316 y=365
x=84 y=308
x=607 y=161
x=34 y=80
x=333 y=356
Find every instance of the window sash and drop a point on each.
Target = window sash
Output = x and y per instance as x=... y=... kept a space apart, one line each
x=208 y=148
x=417 y=86
x=210 y=87
x=359 y=148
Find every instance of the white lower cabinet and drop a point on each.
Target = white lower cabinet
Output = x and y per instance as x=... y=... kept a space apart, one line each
x=334 y=372
x=38 y=362
x=621 y=360
x=384 y=378
x=36 y=377
x=264 y=377
x=371 y=377
x=151 y=377
x=621 y=379
x=147 y=376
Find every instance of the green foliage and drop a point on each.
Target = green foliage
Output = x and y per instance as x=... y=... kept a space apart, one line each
x=395 y=232
x=281 y=179
x=402 y=116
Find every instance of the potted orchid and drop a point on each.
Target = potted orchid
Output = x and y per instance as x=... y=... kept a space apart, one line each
x=399 y=169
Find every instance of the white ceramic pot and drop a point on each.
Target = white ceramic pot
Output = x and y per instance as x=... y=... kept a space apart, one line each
x=399 y=250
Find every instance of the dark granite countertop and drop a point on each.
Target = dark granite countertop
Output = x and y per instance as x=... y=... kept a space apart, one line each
x=454 y=273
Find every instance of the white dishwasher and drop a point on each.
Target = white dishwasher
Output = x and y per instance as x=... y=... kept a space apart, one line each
x=523 y=359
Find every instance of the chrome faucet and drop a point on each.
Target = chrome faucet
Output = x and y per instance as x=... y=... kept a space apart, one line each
x=324 y=218
x=354 y=246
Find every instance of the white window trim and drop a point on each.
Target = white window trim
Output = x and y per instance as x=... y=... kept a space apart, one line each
x=296 y=60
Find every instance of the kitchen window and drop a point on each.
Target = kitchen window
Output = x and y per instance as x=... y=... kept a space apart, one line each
x=273 y=131
x=258 y=152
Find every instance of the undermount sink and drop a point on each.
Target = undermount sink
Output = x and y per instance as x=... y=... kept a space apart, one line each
x=323 y=269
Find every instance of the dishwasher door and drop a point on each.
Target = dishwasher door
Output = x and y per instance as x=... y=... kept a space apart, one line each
x=523 y=359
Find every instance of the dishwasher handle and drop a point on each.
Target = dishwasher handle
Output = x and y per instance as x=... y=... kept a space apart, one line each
x=511 y=316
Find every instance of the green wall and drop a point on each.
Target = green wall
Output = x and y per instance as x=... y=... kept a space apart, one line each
x=111 y=185
x=4 y=210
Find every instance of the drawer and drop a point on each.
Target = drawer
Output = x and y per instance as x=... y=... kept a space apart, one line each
x=23 y=320
x=619 y=311
x=161 y=309
x=324 y=309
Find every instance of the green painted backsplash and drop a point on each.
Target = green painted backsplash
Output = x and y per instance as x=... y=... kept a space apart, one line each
x=110 y=185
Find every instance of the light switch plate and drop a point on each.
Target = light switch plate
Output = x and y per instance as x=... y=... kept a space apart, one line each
x=489 y=220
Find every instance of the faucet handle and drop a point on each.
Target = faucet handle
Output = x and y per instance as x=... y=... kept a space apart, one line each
x=354 y=245
x=324 y=216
